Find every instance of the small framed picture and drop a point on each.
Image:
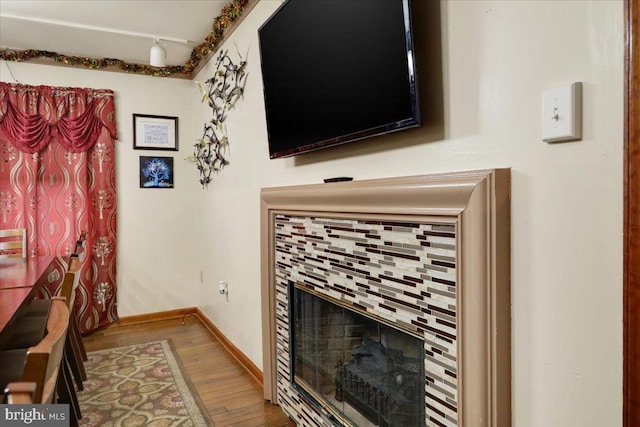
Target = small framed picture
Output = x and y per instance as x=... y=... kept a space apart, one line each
x=155 y=132
x=156 y=172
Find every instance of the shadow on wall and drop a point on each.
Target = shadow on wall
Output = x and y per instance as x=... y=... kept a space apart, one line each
x=427 y=38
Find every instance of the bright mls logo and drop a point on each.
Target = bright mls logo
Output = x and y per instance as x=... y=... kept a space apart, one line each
x=34 y=415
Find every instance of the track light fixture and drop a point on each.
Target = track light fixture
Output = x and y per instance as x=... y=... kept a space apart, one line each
x=158 y=54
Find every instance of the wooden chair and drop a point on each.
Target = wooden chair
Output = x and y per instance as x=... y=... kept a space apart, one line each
x=41 y=364
x=73 y=365
x=13 y=243
x=75 y=348
x=79 y=253
x=38 y=385
x=31 y=326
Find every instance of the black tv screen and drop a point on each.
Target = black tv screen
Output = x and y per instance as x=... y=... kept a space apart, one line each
x=336 y=71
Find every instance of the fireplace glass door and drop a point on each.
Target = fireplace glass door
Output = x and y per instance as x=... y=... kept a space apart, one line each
x=355 y=367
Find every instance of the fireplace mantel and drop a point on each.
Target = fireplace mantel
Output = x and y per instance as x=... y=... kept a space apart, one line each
x=477 y=205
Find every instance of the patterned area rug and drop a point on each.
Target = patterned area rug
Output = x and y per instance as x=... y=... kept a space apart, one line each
x=139 y=385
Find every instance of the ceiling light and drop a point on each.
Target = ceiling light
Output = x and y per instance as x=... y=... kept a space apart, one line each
x=158 y=55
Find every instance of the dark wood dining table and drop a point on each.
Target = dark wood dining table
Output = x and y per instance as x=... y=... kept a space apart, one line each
x=22 y=279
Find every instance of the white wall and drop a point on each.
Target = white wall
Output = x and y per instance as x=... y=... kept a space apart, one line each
x=155 y=259
x=497 y=57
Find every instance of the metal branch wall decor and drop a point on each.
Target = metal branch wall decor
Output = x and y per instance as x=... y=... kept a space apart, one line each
x=221 y=92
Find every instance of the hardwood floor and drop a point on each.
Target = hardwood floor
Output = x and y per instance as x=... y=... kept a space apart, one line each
x=232 y=396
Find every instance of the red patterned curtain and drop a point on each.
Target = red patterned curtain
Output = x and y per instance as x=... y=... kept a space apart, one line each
x=57 y=178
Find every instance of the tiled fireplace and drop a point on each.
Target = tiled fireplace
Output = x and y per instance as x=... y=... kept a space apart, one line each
x=386 y=302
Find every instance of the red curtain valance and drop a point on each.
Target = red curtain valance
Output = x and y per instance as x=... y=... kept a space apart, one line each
x=31 y=115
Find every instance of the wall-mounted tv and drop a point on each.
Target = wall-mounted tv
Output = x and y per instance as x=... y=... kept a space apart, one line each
x=336 y=71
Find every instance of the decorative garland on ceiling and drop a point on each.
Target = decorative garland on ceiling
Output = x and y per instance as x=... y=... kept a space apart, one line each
x=228 y=15
x=221 y=93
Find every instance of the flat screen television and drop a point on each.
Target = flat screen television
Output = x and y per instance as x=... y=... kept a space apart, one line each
x=336 y=71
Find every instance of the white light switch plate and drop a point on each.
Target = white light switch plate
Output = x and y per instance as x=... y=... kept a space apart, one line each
x=562 y=113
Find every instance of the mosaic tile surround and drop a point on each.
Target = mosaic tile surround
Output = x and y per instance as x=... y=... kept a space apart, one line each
x=404 y=272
